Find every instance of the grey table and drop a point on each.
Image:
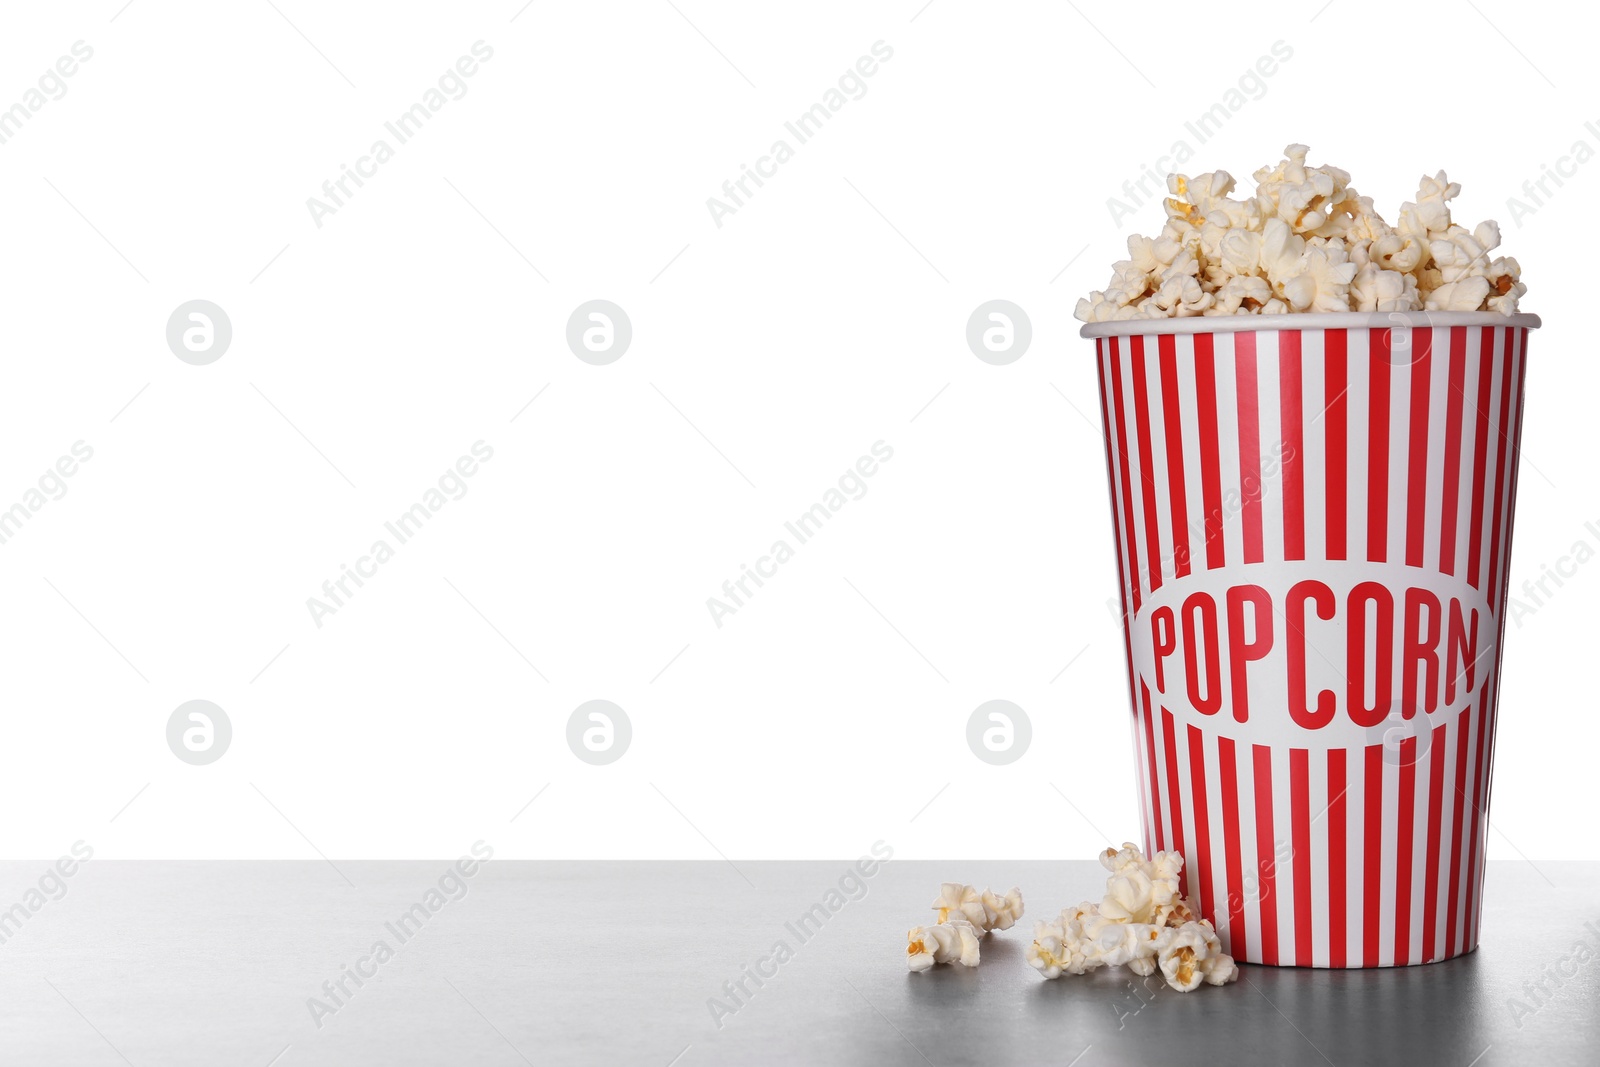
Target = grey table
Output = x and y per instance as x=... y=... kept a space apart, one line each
x=215 y=963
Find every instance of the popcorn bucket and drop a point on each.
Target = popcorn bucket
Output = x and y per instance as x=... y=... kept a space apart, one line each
x=1313 y=524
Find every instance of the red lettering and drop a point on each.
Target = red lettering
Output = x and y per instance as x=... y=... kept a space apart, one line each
x=1206 y=608
x=1407 y=649
x=1240 y=651
x=1459 y=642
x=1420 y=645
x=1164 y=646
x=1295 y=615
x=1361 y=713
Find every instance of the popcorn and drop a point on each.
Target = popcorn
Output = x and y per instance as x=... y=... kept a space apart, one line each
x=1192 y=954
x=955 y=941
x=1178 y=912
x=1069 y=944
x=1323 y=283
x=959 y=900
x=1502 y=275
x=1003 y=911
x=1240 y=296
x=1377 y=289
x=986 y=910
x=1118 y=860
x=1143 y=922
x=1129 y=897
x=1182 y=295
x=965 y=915
x=1134 y=945
x=1141 y=891
x=1463 y=295
x=1306 y=241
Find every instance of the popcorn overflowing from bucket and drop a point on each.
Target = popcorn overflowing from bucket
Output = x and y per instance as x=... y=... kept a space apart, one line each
x=1305 y=242
x=1143 y=923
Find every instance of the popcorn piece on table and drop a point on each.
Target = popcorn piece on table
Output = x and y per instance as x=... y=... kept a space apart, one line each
x=1143 y=922
x=1140 y=890
x=1134 y=945
x=985 y=910
x=1003 y=911
x=959 y=901
x=1129 y=896
x=1192 y=954
x=955 y=941
x=1067 y=945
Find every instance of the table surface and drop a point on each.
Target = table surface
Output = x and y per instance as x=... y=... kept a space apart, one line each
x=216 y=963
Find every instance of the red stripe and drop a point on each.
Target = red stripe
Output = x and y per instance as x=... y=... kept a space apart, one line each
x=1130 y=535
x=1337 y=839
x=1485 y=758
x=1450 y=497
x=1336 y=384
x=1300 y=815
x=1513 y=431
x=1266 y=855
x=1172 y=414
x=1378 y=447
x=1501 y=478
x=1473 y=882
x=1452 y=908
x=1480 y=456
x=1122 y=585
x=1293 y=459
x=1516 y=452
x=1147 y=484
x=1430 y=899
x=1487 y=772
x=1205 y=388
x=1155 y=773
x=1417 y=474
x=1372 y=861
x=1202 y=819
x=1244 y=357
x=1230 y=832
x=1174 y=797
x=1405 y=839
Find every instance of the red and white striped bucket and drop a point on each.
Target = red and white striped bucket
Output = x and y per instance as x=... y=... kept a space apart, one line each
x=1313 y=520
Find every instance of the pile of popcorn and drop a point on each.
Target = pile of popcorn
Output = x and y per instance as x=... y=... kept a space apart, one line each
x=964 y=915
x=1143 y=923
x=1305 y=242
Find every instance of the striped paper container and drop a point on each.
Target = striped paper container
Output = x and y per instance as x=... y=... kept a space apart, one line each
x=1313 y=525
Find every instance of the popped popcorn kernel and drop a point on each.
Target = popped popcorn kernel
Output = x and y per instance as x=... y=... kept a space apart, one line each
x=1003 y=911
x=985 y=910
x=964 y=915
x=1306 y=241
x=1068 y=945
x=1122 y=944
x=955 y=941
x=1116 y=860
x=958 y=901
x=1143 y=923
x=1129 y=896
x=1193 y=954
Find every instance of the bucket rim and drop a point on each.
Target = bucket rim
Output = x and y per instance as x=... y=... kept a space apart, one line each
x=1328 y=320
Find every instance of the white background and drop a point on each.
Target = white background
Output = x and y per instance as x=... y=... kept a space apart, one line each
x=827 y=314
